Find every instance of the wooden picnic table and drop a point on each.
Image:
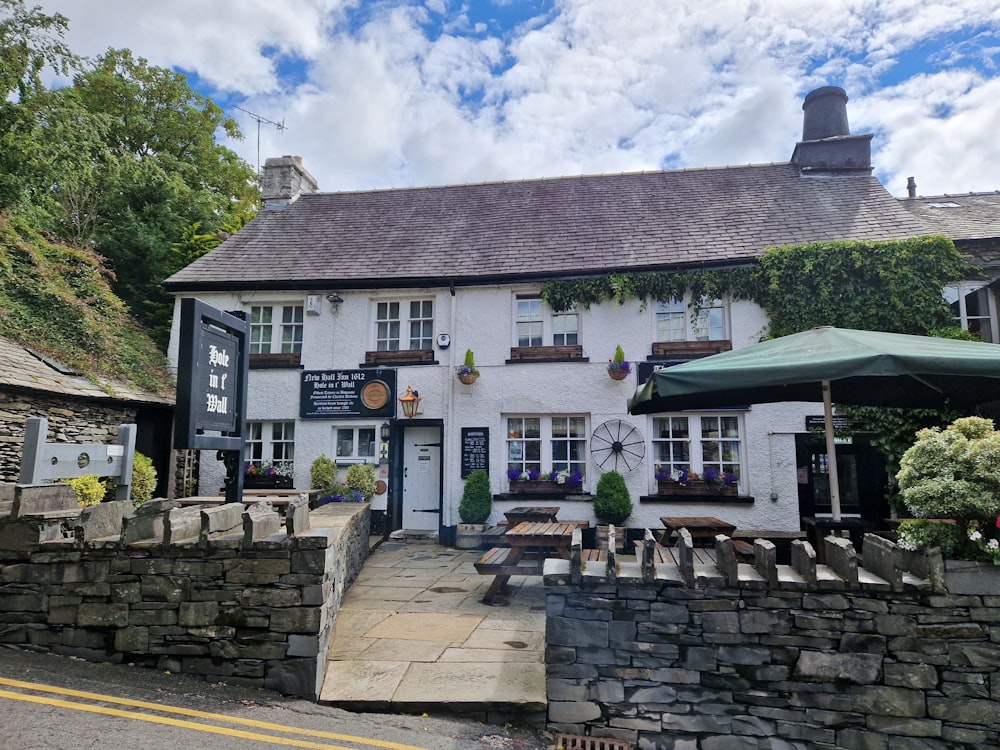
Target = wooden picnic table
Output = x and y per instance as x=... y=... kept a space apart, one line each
x=542 y=513
x=542 y=538
x=700 y=527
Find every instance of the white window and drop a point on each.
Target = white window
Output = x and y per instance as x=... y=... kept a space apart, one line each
x=355 y=443
x=267 y=336
x=270 y=442
x=547 y=444
x=415 y=317
x=677 y=321
x=696 y=443
x=971 y=304
x=536 y=325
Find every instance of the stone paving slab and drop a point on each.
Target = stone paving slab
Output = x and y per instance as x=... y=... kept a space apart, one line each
x=414 y=634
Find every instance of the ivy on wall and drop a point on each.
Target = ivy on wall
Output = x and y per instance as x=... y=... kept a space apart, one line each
x=890 y=286
x=882 y=286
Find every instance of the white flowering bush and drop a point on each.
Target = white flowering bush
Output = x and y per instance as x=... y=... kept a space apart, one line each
x=954 y=474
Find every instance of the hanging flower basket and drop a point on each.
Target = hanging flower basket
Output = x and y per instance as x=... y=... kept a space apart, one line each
x=468 y=377
x=617 y=373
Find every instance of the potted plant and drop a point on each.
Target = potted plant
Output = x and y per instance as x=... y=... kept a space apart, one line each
x=612 y=504
x=950 y=481
x=532 y=481
x=721 y=483
x=679 y=482
x=474 y=508
x=267 y=475
x=468 y=373
x=619 y=368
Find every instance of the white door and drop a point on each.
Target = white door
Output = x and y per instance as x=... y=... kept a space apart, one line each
x=422 y=478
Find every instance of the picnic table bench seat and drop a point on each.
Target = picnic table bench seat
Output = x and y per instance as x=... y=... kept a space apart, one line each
x=494 y=562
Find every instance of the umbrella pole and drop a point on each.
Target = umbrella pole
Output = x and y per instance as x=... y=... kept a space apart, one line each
x=831 y=452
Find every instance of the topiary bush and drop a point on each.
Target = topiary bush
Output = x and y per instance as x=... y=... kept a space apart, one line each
x=323 y=475
x=612 y=503
x=89 y=489
x=477 y=499
x=361 y=477
x=143 y=481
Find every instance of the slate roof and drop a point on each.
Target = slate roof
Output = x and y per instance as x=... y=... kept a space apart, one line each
x=25 y=372
x=972 y=216
x=546 y=228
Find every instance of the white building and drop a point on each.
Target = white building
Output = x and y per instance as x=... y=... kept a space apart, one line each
x=394 y=286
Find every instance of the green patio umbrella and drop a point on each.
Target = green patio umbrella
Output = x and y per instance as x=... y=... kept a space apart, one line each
x=832 y=365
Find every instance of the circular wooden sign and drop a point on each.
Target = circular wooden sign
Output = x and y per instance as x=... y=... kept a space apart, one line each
x=375 y=394
x=380 y=487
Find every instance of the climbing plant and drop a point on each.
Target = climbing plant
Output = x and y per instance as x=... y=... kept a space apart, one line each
x=879 y=286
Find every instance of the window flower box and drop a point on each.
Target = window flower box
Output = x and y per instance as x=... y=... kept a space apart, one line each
x=276 y=482
x=695 y=487
x=539 y=486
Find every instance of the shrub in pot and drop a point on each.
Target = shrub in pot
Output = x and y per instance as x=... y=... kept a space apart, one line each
x=612 y=503
x=477 y=500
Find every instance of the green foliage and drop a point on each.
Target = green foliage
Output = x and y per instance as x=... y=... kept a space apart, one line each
x=735 y=283
x=323 y=475
x=124 y=161
x=143 y=479
x=30 y=40
x=953 y=473
x=477 y=500
x=619 y=354
x=919 y=534
x=469 y=365
x=361 y=477
x=57 y=299
x=876 y=286
x=90 y=489
x=612 y=503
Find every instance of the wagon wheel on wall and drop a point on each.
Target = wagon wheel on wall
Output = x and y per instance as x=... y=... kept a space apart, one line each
x=617 y=445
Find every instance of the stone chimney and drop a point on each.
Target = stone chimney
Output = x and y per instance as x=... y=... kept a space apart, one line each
x=283 y=180
x=827 y=146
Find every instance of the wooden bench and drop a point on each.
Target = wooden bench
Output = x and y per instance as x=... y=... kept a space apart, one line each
x=593 y=555
x=494 y=563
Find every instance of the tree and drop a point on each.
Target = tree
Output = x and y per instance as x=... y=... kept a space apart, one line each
x=161 y=172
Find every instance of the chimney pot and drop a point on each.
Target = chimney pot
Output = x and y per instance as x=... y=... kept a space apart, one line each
x=911 y=187
x=825 y=114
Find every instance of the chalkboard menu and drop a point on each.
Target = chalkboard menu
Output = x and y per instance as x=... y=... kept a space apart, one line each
x=475 y=450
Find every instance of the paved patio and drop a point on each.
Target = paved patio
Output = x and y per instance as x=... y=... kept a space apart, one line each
x=414 y=636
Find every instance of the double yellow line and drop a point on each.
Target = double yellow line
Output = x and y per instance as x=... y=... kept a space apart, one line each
x=196 y=726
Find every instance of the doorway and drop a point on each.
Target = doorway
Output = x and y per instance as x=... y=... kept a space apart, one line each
x=421 y=475
x=861 y=471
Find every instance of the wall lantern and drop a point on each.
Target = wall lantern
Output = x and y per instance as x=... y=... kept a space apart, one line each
x=385 y=432
x=410 y=401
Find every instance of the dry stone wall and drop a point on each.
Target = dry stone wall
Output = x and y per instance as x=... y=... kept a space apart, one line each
x=670 y=659
x=69 y=422
x=224 y=593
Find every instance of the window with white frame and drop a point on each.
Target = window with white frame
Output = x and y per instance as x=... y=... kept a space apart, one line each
x=547 y=444
x=404 y=325
x=677 y=321
x=268 y=335
x=270 y=442
x=971 y=304
x=695 y=443
x=536 y=325
x=355 y=443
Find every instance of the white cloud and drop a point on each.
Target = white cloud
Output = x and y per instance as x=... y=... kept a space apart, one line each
x=420 y=94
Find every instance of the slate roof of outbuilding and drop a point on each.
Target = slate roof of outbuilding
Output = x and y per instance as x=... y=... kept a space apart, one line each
x=969 y=216
x=546 y=228
x=24 y=371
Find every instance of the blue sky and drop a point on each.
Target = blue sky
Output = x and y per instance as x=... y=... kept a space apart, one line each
x=396 y=93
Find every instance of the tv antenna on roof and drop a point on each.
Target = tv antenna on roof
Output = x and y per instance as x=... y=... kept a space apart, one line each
x=279 y=125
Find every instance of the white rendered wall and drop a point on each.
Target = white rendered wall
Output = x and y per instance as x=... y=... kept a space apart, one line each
x=481 y=318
